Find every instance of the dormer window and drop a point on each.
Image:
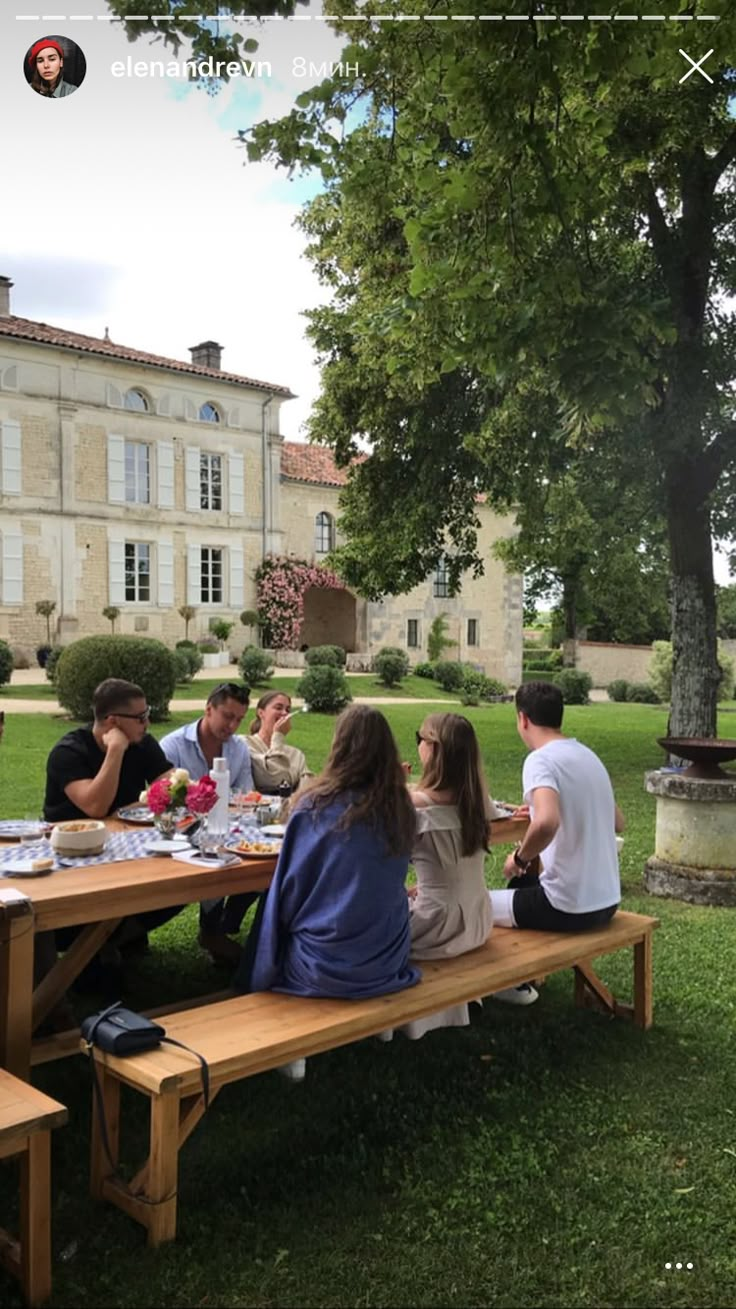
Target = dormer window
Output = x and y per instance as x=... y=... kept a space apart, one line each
x=208 y=414
x=136 y=401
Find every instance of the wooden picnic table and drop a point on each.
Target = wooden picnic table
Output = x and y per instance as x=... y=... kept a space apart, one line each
x=99 y=896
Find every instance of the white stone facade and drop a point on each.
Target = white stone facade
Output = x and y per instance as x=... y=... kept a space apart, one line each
x=145 y=484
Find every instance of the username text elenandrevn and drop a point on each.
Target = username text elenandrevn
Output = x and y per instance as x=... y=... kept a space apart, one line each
x=191 y=68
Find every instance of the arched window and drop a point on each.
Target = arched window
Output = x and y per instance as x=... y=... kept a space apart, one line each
x=324 y=533
x=135 y=400
x=208 y=414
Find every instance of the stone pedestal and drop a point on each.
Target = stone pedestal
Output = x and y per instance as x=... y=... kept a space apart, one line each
x=695 y=843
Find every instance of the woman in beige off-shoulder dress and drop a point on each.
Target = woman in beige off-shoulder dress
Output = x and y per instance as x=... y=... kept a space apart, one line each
x=450 y=910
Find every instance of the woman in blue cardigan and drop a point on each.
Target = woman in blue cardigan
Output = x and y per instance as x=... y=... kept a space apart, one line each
x=335 y=921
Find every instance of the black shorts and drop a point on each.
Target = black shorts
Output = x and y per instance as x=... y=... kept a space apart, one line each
x=532 y=909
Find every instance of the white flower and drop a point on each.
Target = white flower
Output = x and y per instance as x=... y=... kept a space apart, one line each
x=143 y=797
x=179 y=775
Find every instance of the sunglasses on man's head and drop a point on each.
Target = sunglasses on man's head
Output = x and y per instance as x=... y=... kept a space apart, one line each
x=142 y=717
x=234 y=691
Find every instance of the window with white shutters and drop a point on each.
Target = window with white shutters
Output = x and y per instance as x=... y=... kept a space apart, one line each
x=138 y=572
x=137 y=473
x=210 y=575
x=210 y=481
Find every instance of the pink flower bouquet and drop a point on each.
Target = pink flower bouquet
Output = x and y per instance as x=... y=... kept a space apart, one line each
x=177 y=791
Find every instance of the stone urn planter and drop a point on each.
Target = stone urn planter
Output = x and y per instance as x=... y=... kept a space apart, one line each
x=216 y=660
x=695 y=840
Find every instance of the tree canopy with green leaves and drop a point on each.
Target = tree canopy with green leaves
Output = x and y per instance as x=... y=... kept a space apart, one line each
x=525 y=209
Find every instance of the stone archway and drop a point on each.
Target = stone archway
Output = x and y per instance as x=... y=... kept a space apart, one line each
x=329 y=618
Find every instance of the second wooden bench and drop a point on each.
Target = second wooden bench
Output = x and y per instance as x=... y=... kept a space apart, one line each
x=250 y=1034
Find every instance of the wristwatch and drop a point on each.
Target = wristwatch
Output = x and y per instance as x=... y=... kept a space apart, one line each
x=523 y=864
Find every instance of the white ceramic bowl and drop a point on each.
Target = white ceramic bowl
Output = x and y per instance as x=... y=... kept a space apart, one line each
x=82 y=836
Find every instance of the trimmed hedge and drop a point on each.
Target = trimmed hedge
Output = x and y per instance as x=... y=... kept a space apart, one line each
x=87 y=662
x=641 y=693
x=52 y=661
x=424 y=670
x=6 y=663
x=617 y=689
x=324 y=688
x=330 y=655
x=255 y=666
x=449 y=674
x=390 y=665
x=574 y=685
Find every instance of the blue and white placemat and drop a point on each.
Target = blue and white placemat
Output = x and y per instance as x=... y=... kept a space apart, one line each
x=118 y=847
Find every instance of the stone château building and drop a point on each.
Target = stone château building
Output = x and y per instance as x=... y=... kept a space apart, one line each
x=146 y=483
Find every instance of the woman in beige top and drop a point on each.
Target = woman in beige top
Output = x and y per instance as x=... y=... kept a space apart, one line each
x=274 y=761
x=450 y=910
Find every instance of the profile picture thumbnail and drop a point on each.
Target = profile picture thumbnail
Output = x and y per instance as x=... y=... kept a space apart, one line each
x=54 y=67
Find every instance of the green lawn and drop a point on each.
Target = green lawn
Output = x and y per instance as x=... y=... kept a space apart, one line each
x=414 y=688
x=542 y=1157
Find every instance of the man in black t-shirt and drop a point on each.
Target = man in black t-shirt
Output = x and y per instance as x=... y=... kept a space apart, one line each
x=92 y=771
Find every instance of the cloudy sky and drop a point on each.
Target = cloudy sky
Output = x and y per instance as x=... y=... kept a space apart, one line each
x=129 y=206
x=132 y=207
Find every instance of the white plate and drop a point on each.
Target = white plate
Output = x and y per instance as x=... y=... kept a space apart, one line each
x=136 y=813
x=168 y=845
x=13 y=829
x=194 y=857
x=24 y=870
x=276 y=829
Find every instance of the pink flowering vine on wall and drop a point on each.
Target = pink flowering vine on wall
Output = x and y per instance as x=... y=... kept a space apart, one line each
x=281 y=582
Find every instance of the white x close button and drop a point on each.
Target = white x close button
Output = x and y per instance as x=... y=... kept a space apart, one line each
x=696 y=68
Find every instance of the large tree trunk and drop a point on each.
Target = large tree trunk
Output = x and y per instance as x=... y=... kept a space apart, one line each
x=570 y=619
x=695 y=671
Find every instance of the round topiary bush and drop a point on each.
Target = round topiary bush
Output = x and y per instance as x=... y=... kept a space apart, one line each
x=390 y=665
x=471 y=691
x=52 y=661
x=85 y=663
x=641 y=693
x=492 y=688
x=324 y=688
x=255 y=666
x=6 y=662
x=188 y=661
x=617 y=689
x=424 y=670
x=333 y=655
x=449 y=674
x=575 y=685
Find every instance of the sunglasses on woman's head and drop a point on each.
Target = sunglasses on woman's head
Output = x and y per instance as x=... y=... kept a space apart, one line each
x=234 y=690
x=419 y=737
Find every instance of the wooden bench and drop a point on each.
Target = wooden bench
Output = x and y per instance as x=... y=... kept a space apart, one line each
x=26 y=1119
x=250 y=1034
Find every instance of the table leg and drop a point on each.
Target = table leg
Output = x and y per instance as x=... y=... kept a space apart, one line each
x=643 y=983
x=16 y=990
x=66 y=970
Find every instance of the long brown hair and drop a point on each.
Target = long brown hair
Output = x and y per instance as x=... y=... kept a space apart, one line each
x=364 y=761
x=455 y=765
x=263 y=703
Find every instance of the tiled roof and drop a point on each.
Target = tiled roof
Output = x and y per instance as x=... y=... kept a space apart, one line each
x=311 y=463
x=26 y=329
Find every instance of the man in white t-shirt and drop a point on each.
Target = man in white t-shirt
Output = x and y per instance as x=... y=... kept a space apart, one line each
x=574 y=820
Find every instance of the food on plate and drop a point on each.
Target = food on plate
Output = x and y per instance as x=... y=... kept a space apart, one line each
x=41 y=865
x=249 y=797
x=258 y=847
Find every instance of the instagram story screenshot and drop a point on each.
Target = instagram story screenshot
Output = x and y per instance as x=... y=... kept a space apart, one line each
x=379 y=352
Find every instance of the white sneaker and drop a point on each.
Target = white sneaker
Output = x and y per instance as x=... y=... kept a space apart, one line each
x=296 y=1071
x=524 y=994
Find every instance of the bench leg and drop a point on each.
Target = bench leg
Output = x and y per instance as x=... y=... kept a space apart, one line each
x=35 y=1218
x=100 y=1166
x=163 y=1167
x=643 y=991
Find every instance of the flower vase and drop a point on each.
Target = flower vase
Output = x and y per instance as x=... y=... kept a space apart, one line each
x=166 y=823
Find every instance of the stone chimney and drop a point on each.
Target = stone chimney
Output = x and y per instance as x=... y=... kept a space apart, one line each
x=208 y=354
x=5 y=288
